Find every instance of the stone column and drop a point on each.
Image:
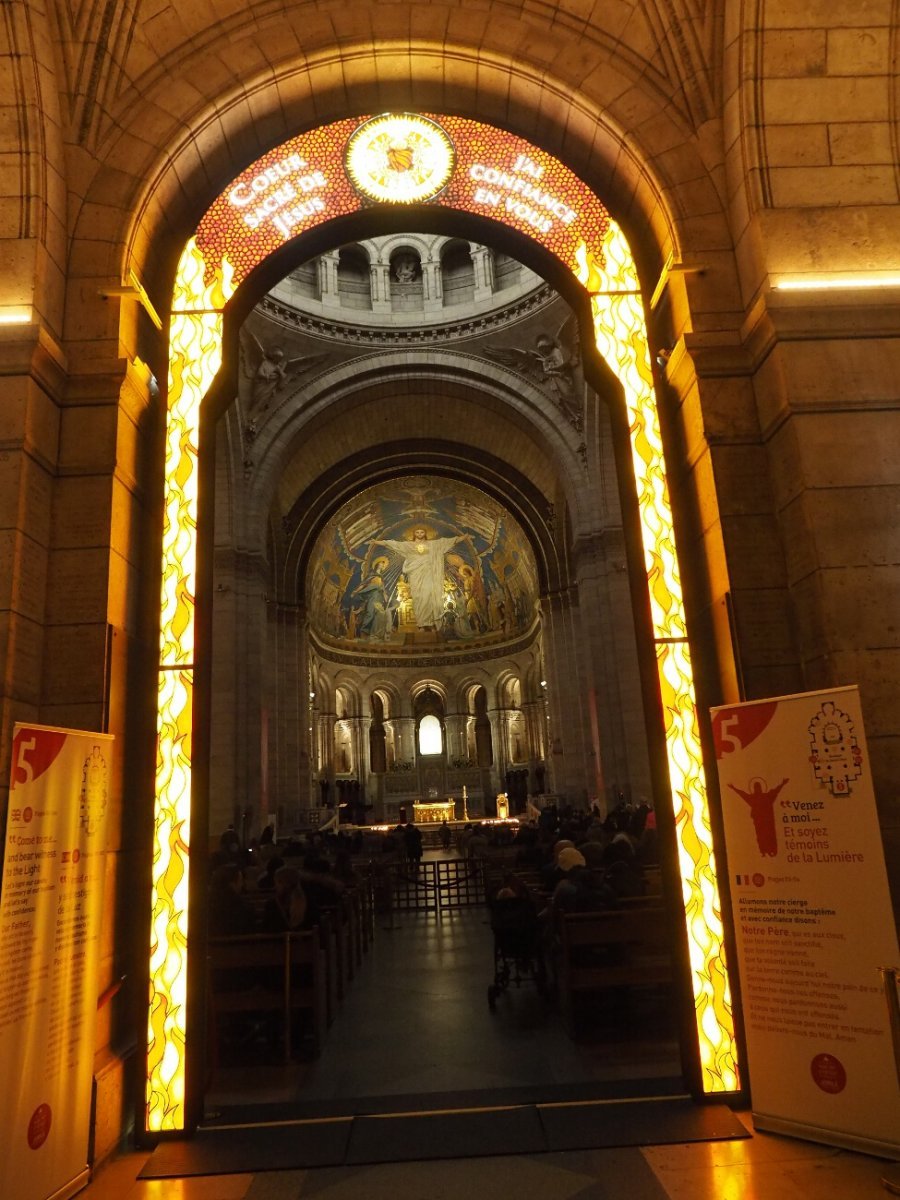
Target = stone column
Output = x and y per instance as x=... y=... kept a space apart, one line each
x=306 y=708
x=455 y=724
x=498 y=742
x=567 y=728
x=380 y=283
x=289 y=724
x=483 y=262
x=615 y=710
x=432 y=286
x=406 y=727
x=536 y=737
x=325 y=730
x=328 y=280
x=359 y=740
x=256 y=680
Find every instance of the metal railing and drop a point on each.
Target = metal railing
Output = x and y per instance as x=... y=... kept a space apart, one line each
x=434 y=885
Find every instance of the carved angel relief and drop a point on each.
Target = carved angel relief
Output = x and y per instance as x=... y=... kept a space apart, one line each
x=553 y=363
x=270 y=371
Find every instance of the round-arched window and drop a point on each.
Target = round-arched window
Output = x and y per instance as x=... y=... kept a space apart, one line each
x=431 y=738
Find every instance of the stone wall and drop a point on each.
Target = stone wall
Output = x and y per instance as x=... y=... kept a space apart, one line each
x=749 y=142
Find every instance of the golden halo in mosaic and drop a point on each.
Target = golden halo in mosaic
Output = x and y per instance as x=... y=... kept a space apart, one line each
x=400 y=158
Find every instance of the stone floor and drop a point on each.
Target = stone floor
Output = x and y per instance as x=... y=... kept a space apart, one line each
x=416 y=1022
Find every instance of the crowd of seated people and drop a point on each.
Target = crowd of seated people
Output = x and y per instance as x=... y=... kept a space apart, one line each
x=307 y=882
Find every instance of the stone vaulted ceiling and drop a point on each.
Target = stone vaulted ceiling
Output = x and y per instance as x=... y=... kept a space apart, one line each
x=119 y=56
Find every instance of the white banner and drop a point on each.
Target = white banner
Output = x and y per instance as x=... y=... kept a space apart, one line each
x=50 y=916
x=812 y=914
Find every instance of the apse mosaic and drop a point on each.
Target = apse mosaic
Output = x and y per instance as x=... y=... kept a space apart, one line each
x=420 y=561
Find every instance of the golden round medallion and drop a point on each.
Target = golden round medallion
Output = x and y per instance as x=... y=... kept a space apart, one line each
x=399 y=158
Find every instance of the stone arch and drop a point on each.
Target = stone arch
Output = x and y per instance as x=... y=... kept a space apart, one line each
x=353 y=285
x=603 y=265
x=33 y=191
x=347 y=696
x=390 y=693
x=457 y=272
x=655 y=181
x=428 y=684
x=509 y=687
x=505 y=484
x=322 y=684
x=536 y=445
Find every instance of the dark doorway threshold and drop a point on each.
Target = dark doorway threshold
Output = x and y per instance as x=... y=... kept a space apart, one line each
x=395 y=1136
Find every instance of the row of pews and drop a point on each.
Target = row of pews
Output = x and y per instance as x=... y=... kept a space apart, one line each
x=297 y=981
x=615 y=949
x=590 y=954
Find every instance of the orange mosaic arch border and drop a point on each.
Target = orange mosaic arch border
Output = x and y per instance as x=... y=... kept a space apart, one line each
x=288 y=191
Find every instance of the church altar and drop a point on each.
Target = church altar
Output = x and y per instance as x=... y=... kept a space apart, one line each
x=434 y=811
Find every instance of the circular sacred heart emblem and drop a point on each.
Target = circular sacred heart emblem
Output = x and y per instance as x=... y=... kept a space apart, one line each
x=399 y=158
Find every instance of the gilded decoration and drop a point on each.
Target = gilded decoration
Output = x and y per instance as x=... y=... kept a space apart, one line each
x=421 y=563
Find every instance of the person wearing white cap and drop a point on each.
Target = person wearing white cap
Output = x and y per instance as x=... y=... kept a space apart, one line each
x=579 y=889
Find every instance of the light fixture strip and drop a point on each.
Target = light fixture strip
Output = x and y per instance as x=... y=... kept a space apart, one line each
x=849 y=283
x=195 y=354
x=621 y=337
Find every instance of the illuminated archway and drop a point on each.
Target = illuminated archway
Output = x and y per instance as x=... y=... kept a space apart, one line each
x=336 y=171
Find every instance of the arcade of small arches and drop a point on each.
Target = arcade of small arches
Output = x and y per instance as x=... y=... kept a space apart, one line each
x=406 y=276
x=390 y=748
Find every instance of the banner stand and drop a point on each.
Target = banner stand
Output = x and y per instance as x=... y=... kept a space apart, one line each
x=73 y=1187
x=890 y=977
x=891 y=980
x=787 y=1127
x=813 y=920
x=51 y=917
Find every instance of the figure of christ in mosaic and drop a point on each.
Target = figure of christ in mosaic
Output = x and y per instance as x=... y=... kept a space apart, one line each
x=423 y=566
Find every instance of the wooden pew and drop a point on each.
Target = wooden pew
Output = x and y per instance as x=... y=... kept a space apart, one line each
x=615 y=948
x=331 y=914
x=353 y=906
x=329 y=942
x=280 y=973
x=307 y=983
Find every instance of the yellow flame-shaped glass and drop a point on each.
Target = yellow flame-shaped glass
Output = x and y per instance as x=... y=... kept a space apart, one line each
x=621 y=337
x=195 y=354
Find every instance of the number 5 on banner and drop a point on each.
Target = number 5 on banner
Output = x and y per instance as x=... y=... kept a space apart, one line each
x=23 y=762
x=726 y=735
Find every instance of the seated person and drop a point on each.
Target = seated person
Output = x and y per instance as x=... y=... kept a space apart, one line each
x=288 y=909
x=322 y=887
x=580 y=889
x=266 y=881
x=622 y=870
x=229 y=912
x=230 y=915
x=551 y=873
x=344 y=870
